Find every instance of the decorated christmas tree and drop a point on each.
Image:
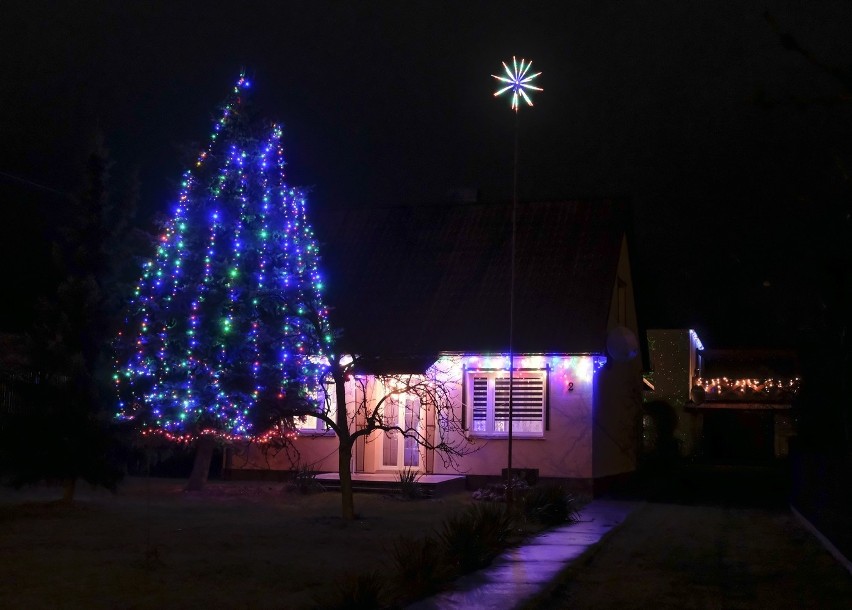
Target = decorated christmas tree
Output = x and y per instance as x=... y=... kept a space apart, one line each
x=227 y=320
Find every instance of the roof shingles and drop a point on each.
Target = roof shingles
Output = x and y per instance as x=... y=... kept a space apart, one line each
x=419 y=280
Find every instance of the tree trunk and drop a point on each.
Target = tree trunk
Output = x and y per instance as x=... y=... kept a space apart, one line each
x=69 y=486
x=346 y=498
x=344 y=445
x=201 y=467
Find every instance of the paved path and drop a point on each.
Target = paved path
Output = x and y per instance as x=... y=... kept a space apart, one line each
x=524 y=572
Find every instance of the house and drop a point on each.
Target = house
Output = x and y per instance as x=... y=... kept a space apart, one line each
x=730 y=405
x=429 y=286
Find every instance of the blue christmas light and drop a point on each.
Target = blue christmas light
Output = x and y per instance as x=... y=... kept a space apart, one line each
x=217 y=322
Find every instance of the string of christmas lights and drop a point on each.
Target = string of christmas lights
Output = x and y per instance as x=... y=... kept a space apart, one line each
x=228 y=317
x=723 y=387
x=752 y=384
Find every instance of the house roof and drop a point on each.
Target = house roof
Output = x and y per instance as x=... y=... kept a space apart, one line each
x=421 y=280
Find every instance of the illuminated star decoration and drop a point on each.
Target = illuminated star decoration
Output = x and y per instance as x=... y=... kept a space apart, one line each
x=519 y=82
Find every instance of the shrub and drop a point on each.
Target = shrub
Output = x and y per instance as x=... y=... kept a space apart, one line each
x=361 y=592
x=498 y=492
x=420 y=565
x=409 y=487
x=518 y=485
x=549 y=505
x=305 y=480
x=472 y=538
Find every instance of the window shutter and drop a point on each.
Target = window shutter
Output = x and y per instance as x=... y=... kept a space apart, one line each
x=487 y=397
x=479 y=391
x=501 y=398
x=527 y=398
x=547 y=399
x=465 y=399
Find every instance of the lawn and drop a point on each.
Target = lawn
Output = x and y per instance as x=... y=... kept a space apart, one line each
x=669 y=556
x=233 y=545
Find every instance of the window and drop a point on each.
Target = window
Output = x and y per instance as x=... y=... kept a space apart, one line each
x=403 y=410
x=488 y=399
x=326 y=401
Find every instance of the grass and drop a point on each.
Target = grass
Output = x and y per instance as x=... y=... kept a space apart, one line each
x=234 y=545
x=683 y=557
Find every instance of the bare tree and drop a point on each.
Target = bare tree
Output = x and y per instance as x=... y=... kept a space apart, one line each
x=354 y=405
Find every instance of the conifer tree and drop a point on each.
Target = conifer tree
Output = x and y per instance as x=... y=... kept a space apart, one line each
x=61 y=397
x=227 y=322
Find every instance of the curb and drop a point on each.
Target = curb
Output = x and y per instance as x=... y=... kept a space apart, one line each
x=826 y=543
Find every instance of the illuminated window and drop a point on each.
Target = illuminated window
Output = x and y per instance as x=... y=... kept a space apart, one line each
x=326 y=401
x=488 y=401
x=405 y=411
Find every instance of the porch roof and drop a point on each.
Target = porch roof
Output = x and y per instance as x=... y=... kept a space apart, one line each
x=394 y=365
x=424 y=279
x=758 y=363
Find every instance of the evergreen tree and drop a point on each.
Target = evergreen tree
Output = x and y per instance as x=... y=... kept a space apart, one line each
x=61 y=398
x=227 y=321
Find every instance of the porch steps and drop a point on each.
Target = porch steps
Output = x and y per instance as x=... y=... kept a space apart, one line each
x=431 y=484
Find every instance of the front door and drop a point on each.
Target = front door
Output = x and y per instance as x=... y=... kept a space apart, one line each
x=398 y=451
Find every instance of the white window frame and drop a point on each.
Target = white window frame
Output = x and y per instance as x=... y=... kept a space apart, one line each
x=310 y=425
x=481 y=399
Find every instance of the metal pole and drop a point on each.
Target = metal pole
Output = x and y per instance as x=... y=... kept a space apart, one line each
x=509 y=490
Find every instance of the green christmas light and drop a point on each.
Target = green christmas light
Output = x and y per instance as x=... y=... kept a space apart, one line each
x=212 y=307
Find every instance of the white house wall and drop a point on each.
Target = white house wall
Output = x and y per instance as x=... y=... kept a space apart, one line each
x=623 y=282
x=617 y=419
x=618 y=413
x=674 y=362
x=313 y=450
x=565 y=450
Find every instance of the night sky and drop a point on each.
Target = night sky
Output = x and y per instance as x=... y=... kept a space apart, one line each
x=726 y=143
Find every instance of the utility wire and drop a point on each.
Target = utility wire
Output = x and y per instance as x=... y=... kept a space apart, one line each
x=36 y=185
